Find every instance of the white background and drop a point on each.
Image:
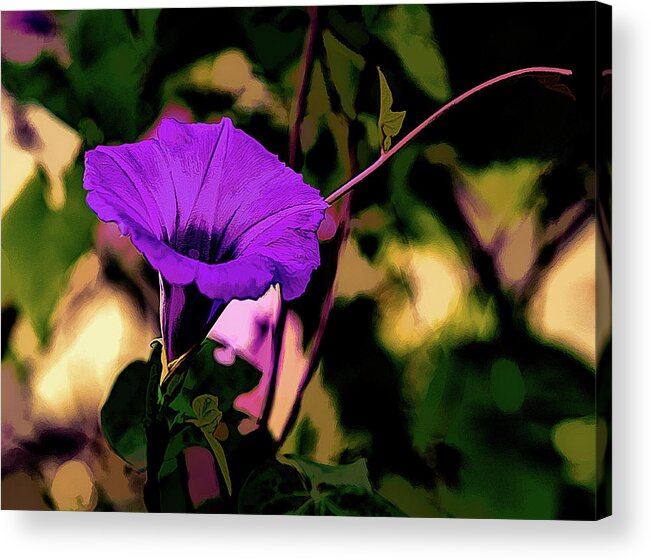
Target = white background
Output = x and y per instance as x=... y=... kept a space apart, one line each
x=626 y=535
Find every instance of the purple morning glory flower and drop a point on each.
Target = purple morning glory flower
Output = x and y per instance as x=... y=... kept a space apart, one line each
x=218 y=216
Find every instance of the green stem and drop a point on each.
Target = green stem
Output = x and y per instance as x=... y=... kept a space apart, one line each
x=220 y=456
x=157 y=436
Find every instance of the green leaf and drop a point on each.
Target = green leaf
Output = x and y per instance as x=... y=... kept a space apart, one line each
x=318 y=475
x=345 y=67
x=220 y=456
x=173 y=494
x=204 y=395
x=275 y=489
x=204 y=377
x=306 y=437
x=407 y=29
x=124 y=414
x=274 y=37
x=44 y=82
x=40 y=245
x=111 y=53
x=389 y=122
x=313 y=489
x=352 y=501
x=181 y=440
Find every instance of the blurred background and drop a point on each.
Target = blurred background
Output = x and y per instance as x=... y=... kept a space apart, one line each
x=471 y=305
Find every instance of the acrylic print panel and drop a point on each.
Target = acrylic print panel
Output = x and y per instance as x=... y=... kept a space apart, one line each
x=328 y=261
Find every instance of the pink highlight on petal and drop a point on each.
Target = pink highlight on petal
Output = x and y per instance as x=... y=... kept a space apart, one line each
x=245 y=329
x=170 y=111
x=225 y=356
x=203 y=483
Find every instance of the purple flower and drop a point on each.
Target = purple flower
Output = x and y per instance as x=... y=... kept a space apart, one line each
x=218 y=216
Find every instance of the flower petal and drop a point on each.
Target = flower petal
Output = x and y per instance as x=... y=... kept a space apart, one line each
x=131 y=179
x=288 y=240
x=186 y=317
x=175 y=268
x=226 y=184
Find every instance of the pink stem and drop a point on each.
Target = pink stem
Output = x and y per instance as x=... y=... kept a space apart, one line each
x=301 y=98
x=341 y=191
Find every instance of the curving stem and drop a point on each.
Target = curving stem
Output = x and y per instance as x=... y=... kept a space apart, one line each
x=341 y=191
x=301 y=97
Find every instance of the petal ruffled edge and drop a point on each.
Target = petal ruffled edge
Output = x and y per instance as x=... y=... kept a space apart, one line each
x=246 y=277
x=175 y=268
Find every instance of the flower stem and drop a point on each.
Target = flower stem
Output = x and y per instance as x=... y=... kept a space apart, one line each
x=301 y=97
x=157 y=438
x=294 y=140
x=338 y=245
x=409 y=137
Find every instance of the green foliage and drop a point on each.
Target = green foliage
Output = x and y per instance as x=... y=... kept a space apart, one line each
x=177 y=444
x=111 y=51
x=389 y=122
x=113 y=43
x=273 y=488
x=45 y=82
x=100 y=96
x=195 y=402
x=124 y=415
x=36 y=237
x=407 y=30
x=313 y=489
x=207 y=413
x=507 y=385
x=203 y=377
x=345 y=67
x=181 y=419
x=306 y=437
x=488 y=424
x=275 y=37
x=318 y=475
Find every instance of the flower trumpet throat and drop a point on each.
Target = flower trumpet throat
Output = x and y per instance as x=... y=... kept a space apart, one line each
x=217 y=215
